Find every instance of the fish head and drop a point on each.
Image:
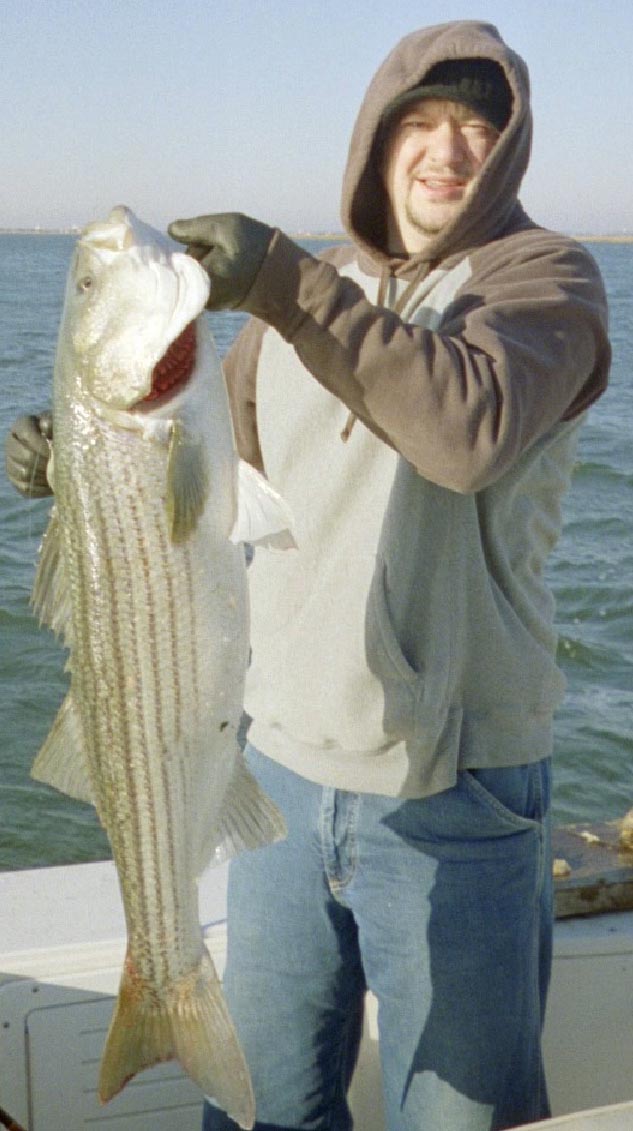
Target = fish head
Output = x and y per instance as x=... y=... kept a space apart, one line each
x=131 y=301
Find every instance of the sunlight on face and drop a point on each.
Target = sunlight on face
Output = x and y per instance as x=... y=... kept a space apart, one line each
x=433 y=154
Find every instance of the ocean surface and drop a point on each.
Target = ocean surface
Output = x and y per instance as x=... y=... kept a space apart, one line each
x=591 y=573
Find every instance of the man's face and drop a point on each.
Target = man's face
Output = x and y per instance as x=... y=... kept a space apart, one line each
x=432 y=156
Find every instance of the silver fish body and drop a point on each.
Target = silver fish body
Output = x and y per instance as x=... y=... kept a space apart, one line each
x=140 y=575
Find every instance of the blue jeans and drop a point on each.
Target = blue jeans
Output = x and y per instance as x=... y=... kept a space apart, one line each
x=441 y=906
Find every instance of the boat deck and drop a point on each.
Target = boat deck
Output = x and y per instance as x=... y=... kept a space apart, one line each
x=63 y=942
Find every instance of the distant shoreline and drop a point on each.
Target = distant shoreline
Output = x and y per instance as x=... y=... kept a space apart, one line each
x=75 y=230
x=316 y=236
x=40 y=231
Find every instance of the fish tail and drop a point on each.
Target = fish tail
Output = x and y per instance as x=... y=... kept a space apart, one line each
x=190 y=1022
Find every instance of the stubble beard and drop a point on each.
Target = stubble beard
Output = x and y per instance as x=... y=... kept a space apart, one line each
x=426 y=229
x=429 y=226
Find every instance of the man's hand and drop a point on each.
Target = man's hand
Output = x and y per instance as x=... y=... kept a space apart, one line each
x=231 y=248
x=27 y=452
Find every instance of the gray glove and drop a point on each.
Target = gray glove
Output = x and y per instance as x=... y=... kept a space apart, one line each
x=231 y=248
x=27 y=452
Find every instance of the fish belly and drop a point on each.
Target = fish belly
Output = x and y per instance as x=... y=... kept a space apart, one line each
x=158 y=654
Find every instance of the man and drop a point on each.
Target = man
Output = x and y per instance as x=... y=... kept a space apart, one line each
x=403 y=675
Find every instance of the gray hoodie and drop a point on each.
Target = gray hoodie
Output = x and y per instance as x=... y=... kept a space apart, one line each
x=411 y=634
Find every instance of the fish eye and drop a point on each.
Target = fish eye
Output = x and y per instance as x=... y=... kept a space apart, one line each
x=85 y=283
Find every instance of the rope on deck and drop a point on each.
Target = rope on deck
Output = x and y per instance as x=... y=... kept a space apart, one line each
x=8 y=1122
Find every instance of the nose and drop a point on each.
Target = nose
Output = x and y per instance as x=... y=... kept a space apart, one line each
x=446 y=143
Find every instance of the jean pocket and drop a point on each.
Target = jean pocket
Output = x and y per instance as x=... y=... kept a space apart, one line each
x=516 y=798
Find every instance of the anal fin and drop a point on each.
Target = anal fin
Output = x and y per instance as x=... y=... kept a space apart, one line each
x=61 y=762
x=249 y=819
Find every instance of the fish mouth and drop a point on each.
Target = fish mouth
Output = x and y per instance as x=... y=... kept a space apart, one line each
x=175 y=366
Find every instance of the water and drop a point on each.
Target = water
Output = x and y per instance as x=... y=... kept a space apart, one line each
x=591 y=573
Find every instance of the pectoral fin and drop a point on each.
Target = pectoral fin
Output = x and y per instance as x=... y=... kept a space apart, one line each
x=61 y=762
x=263 y=517
x=187 y=482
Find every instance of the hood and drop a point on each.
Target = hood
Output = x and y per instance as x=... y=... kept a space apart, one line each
x=487 y=211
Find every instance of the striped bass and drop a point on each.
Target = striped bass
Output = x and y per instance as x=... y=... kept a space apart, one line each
x=142 y=574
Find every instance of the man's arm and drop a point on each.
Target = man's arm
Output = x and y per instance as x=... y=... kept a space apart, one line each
x=523 y=346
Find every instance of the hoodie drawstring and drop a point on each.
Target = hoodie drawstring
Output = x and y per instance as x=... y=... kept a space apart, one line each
x=398 y=307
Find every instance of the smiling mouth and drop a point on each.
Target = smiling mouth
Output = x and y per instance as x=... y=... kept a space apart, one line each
x=452 y=184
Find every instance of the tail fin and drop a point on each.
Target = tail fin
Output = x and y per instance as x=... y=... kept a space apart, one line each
x=190 y=1022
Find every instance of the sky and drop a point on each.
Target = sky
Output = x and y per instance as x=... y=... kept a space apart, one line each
x=181 y=107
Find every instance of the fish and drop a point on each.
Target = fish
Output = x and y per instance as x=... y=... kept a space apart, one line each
x=142 y=575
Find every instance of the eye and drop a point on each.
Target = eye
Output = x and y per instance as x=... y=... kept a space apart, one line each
x=85 y=283
x=478 y=129
x=410 y=125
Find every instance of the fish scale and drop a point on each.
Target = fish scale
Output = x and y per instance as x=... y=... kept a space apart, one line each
x=143 y=575
x=143 y=678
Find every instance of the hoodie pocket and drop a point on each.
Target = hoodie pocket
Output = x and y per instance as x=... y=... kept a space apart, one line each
x=383 y=645
x=407 y=713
